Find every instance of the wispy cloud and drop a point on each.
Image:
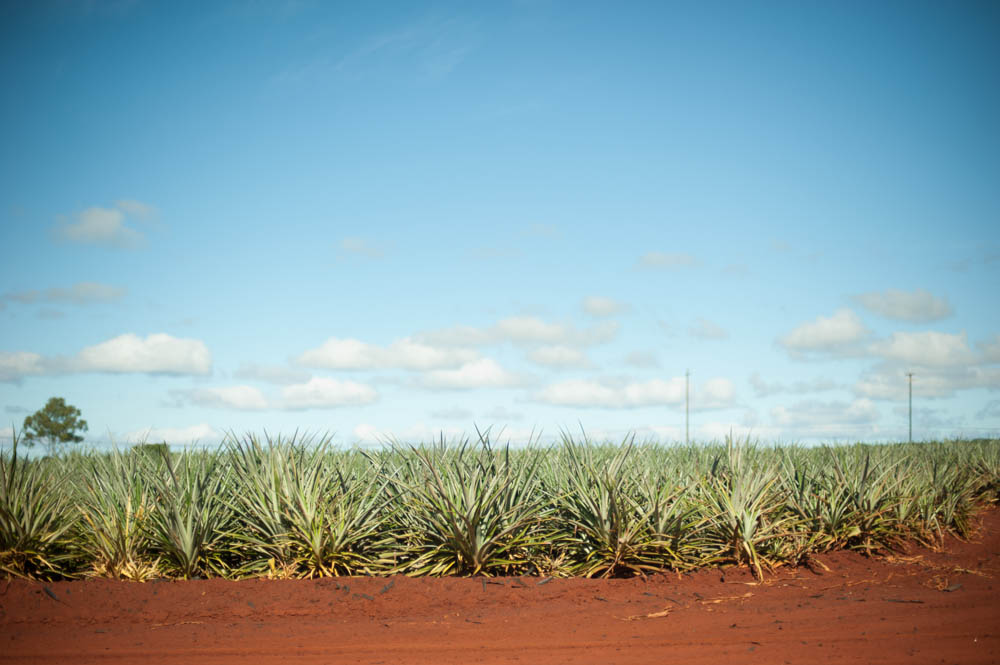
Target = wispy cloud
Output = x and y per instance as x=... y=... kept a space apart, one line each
x=242 y=398
x=942 y=364
x=524 y=331
x=712 y=394
x=16 y=365
x=434 y=47
x=927 y=348
x=825 y=416
x=429 y=49
x=762 y=388
x=324 y=393
x=406 y=353
x=836 y=334
x=601 y=306
x=642 y=359
x=136 y=209
x=362 y=247
x=82 y=293
x=559 y=357
x=889 y=381
x=705 y=329
x=278 y=374
x=917 y=306
x=105 y=227
x=482 y=373
x=543 y=231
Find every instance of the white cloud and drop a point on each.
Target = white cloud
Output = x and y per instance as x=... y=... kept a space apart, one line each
x=665 y=261
x=888 y=381
x=482 y=373
x=714 y=394
x=361 y=247
x=918 y=306
x=82 y=293
x=524 y=331
x=705 y=329
x=178 y=436
x=825 y=416
x=991 y=349
x=156 y=354
x=942 y=364
x=590 y=393
x=16 y=365
x=336 y=353
x=761 y=388
x=832 y=334
x=927 y=348
x=136 y=209
x=601 y=306
x=101 y=226
x=530 y=329
x=559 y=357
x=323 y=393
x=244 y=398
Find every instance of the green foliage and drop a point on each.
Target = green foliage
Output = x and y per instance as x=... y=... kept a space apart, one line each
x=474 y=510
x=157 y=451
x=190 y=517
x=55 y=424
x=35 y=513
x=298 y=507
x=302 y=512
x=611 y=533
x=115 y=505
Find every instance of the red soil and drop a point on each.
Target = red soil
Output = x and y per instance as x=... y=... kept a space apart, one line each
x=923 y=607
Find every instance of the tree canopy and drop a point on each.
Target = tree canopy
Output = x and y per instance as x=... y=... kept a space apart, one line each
x=54 y=424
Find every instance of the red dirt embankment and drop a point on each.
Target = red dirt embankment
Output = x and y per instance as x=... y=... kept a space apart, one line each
x=924 y=607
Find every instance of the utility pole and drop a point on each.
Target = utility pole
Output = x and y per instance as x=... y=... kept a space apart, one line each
x=910 y=377
x=687 y=409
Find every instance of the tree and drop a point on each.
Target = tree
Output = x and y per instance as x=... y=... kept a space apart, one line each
x=55 y=424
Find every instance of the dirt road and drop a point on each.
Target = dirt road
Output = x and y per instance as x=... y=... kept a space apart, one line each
x=923 y=607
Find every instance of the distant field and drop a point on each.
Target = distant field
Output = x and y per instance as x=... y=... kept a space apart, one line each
x=298 y=508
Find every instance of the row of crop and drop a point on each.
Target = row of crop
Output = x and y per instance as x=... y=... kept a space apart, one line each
x=292 y=508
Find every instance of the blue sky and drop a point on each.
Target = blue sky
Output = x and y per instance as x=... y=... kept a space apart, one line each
x=412 y=218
